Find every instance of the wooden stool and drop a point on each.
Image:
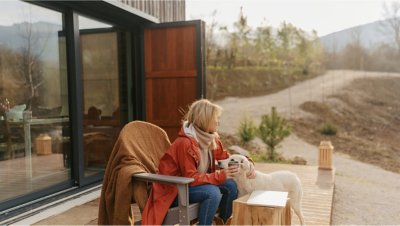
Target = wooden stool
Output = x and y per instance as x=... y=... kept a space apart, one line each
x=244 y=214
x=43 y=144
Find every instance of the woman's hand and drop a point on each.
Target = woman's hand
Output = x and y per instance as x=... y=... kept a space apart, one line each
x=252 y=173
x=231 y=171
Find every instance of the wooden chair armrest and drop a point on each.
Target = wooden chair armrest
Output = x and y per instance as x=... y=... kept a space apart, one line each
x=151 y=177
x=182 y=183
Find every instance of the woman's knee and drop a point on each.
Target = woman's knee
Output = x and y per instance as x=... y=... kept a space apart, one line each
x=214 y=192
x=231 y=185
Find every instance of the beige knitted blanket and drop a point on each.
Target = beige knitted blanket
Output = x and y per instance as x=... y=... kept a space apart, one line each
x=139 y=148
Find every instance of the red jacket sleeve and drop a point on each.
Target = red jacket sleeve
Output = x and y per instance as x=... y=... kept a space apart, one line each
x=188 y=161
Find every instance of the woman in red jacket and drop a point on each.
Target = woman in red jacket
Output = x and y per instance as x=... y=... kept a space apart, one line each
x=193 y=154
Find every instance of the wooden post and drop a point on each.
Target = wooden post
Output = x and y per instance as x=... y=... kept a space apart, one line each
x=27 y=117
x=7 y=136
x=325 y=155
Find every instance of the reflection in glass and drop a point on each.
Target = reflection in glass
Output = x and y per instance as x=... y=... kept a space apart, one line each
x=34 y=137
x=100 y=79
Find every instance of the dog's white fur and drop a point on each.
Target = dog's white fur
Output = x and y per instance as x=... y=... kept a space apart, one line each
x=276 y=181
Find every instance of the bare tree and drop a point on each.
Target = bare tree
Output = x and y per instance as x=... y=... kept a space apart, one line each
x=231 y=48
x=264 y=43
x=391 y=15
x=358 y=49
x=210 y=39
x=242 y=37
x=30 y=67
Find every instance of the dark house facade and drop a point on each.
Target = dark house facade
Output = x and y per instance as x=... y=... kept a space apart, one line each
x=72 y=74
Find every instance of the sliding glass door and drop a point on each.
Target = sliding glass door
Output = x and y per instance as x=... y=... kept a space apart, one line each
x=34 y=116
x=64 y=94
x=100 y=78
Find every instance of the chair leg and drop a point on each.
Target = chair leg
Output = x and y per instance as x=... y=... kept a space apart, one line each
x=183 y=203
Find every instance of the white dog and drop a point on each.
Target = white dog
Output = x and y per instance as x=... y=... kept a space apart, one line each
x=276 y=181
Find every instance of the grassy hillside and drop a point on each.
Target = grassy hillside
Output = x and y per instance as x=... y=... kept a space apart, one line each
x=250 y=81
x=367 y=116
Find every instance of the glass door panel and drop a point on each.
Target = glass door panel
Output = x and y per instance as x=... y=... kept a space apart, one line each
x=101 y=92
x=34 y=119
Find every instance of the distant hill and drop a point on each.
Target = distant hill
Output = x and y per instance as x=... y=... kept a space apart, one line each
x=371 y=35
x=44 y=34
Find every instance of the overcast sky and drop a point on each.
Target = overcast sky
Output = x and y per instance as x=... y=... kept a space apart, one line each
x=324 y=16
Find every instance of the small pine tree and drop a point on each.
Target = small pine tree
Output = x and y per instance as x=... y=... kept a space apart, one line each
x=247 y=129
x=272 y=130
x=328 y=129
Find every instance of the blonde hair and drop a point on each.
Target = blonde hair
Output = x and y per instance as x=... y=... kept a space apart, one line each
x=201 y=112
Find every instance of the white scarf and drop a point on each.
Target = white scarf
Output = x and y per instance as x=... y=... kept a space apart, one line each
x=206 y=143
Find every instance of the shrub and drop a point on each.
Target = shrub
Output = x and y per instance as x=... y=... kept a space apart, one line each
x=272 y=130
x=247 y=130
x=259 y=157
x=328 y=129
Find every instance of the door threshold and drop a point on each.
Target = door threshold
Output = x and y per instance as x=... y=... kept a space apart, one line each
x=55 y=207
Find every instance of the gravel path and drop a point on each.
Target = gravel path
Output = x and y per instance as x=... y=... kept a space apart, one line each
x=288 y=100
x=364 y=194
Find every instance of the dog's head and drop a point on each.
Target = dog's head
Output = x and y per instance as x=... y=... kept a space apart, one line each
x=244 y=164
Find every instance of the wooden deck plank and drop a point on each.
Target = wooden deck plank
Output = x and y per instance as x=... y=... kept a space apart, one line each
x=318 y=187
x=47 y=170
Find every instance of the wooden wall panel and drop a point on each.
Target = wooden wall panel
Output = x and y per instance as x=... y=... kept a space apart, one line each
x=171 y=50
x=167 y=100
x=164 y=10
x=171 y=74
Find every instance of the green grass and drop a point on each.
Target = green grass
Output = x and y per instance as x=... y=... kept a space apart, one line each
x=250 y=81
x=328 y=129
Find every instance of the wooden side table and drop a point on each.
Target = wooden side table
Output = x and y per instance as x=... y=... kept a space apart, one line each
x=243 y=214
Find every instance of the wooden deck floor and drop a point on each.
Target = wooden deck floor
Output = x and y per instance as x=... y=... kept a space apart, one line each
x=17 y=178
x=318 y=187
x=21 y=176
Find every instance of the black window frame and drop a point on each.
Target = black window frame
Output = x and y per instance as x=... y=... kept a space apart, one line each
x=127 y=25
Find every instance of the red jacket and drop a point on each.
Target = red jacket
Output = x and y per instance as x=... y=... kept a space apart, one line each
x=181 y=159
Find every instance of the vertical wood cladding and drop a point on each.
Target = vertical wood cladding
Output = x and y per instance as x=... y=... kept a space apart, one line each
x=165 y=10
x=171 y=74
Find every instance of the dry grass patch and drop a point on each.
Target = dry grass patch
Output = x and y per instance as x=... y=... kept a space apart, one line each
x=367 y=116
